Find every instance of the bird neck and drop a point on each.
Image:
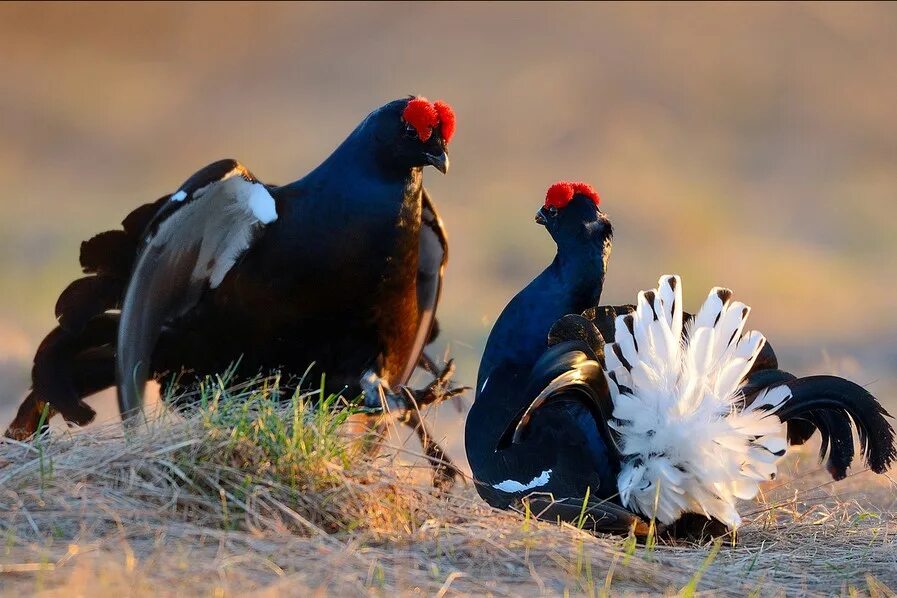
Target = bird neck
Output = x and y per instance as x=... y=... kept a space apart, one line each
x=354 y=155
x=581 y=271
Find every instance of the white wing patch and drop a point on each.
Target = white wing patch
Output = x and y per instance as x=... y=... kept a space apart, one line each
x=688 y=442
x=512 y=486
x=255 y=197
x=262 y=204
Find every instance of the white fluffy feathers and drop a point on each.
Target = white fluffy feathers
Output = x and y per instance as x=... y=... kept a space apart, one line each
x=689 y=444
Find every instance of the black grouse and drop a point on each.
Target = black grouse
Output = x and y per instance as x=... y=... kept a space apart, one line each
x=674 y=419
x=342 y=268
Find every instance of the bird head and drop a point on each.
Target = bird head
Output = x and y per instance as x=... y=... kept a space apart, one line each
x=572 y=216
x=414 y=132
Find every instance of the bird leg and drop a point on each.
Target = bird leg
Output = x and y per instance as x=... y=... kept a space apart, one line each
x=444 y=471
x=404 y=406
x=428 y=364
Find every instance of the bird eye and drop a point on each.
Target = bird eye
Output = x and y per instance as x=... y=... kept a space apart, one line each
x=410 y=131
x=552 y=211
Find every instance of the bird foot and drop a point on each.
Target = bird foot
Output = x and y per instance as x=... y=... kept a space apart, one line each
x=439 y=389
x=401 y=402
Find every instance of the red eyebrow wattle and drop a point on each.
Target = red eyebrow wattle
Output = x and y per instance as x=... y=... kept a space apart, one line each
x=580 y=188
x=560 y=194
x=422 y=115
x=446 y=119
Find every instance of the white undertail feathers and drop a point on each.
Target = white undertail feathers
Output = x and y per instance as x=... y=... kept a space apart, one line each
x=689 y=443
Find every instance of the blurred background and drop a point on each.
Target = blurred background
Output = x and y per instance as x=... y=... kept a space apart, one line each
x=749 y=146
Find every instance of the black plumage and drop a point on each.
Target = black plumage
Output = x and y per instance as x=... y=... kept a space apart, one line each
x=836 y=407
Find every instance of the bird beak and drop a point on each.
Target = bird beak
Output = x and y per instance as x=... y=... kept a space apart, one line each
x=440 y=162
x=540 y=217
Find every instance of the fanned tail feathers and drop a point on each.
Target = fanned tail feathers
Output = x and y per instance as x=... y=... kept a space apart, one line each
x=76 y=358
x=690 y=441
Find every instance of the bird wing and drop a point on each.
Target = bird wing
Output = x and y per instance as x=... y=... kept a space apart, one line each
x=189 y=246
x=432 y=258
x=568 y=370
x=604 y=317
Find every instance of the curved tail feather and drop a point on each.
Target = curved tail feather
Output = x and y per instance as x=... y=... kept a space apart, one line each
x=765 y=373
x=111 y=252
x=75 y=358
x=87 y=297
x=836 y=407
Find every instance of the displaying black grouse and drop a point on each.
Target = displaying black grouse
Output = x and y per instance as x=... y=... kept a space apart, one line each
x=674 y=419
x=342 y=268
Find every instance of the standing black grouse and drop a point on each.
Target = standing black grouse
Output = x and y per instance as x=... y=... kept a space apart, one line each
x=342 y=268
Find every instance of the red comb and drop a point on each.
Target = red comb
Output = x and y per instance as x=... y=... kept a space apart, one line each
x=560 y=194
x=422 y=115
x=447 y=118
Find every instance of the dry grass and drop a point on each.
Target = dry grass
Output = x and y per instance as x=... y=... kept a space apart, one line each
x=246 y=494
